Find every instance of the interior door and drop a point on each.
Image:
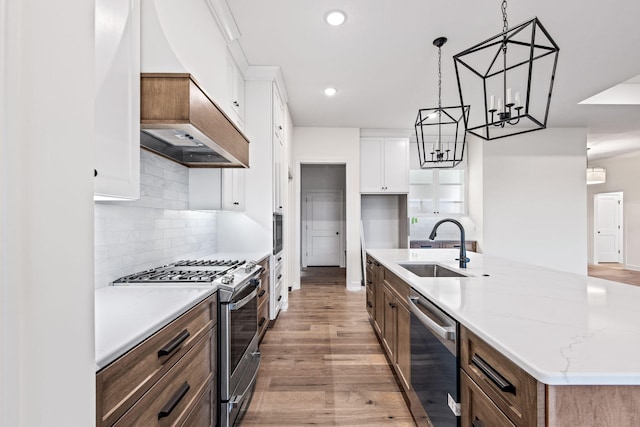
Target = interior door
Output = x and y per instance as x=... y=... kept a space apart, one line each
x=607 y=228
x=322 y=227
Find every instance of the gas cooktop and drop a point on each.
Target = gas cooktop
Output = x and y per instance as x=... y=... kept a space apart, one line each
x=184 y=271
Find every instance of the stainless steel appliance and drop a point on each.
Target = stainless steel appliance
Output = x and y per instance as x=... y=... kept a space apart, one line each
x=434 y=365
x=277 y=233
x=238 y=283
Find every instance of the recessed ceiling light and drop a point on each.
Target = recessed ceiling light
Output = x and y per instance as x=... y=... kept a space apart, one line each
x=335 y=17
x=330 y=91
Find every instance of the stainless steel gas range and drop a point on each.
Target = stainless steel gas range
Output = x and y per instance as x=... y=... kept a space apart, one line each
x=237 y=283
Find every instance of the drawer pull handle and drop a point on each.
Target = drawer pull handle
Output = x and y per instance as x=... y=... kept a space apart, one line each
x=494 y=376
x=262 y=292
x=279 y=276
x=369 y=262
x=376 y=263
x=261 y=322
x=279 y=298
x=369 y=304
x=477 y=423
x=369 y=281
x=173 y=402
x=174 y=344
x=279 y=258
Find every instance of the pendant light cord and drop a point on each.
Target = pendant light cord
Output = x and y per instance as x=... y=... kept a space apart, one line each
x=439 y=78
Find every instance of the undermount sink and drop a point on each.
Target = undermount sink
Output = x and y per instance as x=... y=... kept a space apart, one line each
x=431 y=270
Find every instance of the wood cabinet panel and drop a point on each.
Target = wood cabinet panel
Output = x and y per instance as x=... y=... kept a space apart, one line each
x=389 y=325
x=435 y=244
x=173 y=397
x=477 y=409
x=124 y=381
x=514 y=391
x=403 y=346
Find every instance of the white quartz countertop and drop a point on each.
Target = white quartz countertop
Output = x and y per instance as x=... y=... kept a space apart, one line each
x=561 y=328
x=127 y=315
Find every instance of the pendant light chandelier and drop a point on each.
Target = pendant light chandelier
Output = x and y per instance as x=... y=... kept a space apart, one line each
x=499 y=75
x=440 y=131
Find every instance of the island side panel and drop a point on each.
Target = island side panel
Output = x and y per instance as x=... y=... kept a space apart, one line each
x=593 y=406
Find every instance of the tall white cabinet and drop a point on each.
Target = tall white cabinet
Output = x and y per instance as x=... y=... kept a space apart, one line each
x=266 y=178
x=384 y=165
x=117 y=103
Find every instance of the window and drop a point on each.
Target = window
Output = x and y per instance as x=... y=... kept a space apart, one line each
x=436 y=192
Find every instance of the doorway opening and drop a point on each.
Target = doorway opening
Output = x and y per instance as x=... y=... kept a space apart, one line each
x=608 y=233
x=322 y=225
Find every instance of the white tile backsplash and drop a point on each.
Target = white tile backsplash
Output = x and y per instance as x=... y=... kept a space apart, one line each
x=156 y=229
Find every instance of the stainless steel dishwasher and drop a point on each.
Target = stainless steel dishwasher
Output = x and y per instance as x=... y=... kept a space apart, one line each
x=435 y=368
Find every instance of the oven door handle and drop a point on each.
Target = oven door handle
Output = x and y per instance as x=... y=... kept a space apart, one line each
x=244 y=301
x=445 y=332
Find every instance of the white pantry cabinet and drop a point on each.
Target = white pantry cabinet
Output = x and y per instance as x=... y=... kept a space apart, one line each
x=117 y=104
x=384 y=165
x=278 y=174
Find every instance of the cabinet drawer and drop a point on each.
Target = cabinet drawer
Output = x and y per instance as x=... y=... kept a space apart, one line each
x=263 y=317
x=204 y=412
x=124 y=381
x=172 y=399
x=477 y=409
x=398 y=285
x=514 y=391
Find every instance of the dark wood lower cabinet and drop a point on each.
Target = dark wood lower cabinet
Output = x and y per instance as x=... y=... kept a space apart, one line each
x=168 y=379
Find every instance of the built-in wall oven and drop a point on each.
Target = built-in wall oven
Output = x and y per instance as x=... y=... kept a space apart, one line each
x=435 y=366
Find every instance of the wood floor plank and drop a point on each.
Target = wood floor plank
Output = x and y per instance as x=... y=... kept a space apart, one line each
x=322 y=365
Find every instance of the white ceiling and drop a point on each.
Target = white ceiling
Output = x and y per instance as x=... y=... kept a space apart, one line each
x=384 y=65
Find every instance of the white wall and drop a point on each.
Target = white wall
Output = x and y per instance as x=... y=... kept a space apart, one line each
x=47 y=363
x=623 y=174
x=534 y=192
x=331 y=145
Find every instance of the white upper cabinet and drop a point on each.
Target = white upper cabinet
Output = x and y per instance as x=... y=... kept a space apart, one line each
x=236 y=87
x=278 y=113
x=384 y=165
x=117 y=104
x=217 y=189
x=233 y=189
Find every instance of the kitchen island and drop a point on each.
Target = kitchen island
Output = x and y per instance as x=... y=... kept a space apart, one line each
x=576 y=336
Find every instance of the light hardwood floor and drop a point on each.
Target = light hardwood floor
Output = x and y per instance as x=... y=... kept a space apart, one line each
x=615 y=272
x=322 y=365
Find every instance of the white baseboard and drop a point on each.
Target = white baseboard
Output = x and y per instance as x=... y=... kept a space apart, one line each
x=631 y=267
x=354 y=286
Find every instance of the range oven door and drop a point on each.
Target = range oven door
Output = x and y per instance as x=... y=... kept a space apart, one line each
x=239 y=356
x=434 y=365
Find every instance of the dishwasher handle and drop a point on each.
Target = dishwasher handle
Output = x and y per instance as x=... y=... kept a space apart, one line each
x=445 y=332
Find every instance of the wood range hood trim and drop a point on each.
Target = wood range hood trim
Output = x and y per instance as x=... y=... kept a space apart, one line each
x=174 y=104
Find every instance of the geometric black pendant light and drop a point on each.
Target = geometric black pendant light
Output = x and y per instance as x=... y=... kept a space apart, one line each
x=510 y=76
x=440 y=131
